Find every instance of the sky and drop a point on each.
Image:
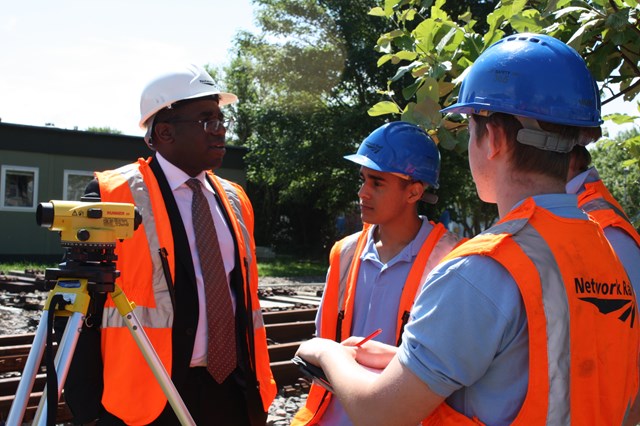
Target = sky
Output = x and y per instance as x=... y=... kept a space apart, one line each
x=84 y=63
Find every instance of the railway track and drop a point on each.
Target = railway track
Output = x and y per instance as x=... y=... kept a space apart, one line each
x=288 y=315
x=285 y=331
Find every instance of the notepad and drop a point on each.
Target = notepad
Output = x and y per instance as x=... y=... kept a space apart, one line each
x=315 y=373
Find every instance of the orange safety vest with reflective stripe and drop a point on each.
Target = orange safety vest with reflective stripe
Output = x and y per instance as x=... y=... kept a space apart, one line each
x=340 y=292
x=581 y=317
x=131 y=391
x=598 y=202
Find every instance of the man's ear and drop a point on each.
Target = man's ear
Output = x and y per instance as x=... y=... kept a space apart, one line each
x=416 y=191
x=162 y=133
x=496 y=140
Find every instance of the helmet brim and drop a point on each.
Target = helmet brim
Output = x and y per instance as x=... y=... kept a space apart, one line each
x=363 y=161
x=225 y=99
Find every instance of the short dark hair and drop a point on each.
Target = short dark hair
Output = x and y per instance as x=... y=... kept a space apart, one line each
x=581 y=157
x=529 y=158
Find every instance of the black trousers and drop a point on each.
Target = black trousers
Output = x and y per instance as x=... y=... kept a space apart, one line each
x=208 y=402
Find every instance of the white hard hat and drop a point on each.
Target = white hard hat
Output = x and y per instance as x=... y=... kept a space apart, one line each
x=189 y=82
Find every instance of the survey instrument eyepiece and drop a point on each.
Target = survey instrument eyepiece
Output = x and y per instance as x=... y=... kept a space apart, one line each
x=89 y=223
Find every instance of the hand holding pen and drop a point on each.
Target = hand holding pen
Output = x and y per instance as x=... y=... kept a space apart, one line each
x=375 y=356
x=369 y=337
x=316 y=373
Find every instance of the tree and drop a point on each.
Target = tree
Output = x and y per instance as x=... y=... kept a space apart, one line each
x=457 y=195
x=239 y=76
x=618 y=174
x=434 y=49
x=295 y=178
x=305 y=84
x=606 y=33
x=432 y=43
x=430 y=50
x=104 y=130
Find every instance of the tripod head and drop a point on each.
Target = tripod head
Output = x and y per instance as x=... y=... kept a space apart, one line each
x=88 y=231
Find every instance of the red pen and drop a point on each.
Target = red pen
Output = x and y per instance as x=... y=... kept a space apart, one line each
x=369 y=337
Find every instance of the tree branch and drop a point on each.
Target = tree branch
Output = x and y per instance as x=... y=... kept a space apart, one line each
x=622 y=92
x=629 y=61
x=614 y=6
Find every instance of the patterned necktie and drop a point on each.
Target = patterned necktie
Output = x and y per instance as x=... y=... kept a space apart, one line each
x=221 y=349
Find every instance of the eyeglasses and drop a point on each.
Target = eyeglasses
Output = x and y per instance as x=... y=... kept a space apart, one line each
x=211 y=126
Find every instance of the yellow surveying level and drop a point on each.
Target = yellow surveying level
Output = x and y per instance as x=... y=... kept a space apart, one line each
x=89 y=230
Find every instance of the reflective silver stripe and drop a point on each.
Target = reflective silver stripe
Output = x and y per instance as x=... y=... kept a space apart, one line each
x=234 y=199
x=510 y=227
x=162 y=315
x=556 y=308
x=602 y=204
x=236 y=206
x=258 y=321
x=347 y=251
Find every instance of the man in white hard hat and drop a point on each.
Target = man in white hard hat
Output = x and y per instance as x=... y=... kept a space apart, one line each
x=191 y=271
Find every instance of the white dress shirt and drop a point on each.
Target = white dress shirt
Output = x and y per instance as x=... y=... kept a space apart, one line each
x=183 y=195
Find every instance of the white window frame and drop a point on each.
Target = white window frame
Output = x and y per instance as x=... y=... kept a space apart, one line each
x=6 y=170
x=65 y=183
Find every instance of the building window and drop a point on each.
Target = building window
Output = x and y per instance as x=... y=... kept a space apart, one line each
x=75 y=181
x=19 y=188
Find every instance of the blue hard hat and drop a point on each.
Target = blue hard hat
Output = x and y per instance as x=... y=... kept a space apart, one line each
x=400 y=147
x=531 y=75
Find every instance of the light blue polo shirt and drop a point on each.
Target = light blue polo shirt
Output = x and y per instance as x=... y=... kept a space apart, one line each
x=378 y=293
x=467 y=337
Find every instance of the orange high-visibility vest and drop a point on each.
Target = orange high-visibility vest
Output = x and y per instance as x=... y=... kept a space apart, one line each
x=339 y=297
x=131 y=391
x=581 y=317
x=598 y=202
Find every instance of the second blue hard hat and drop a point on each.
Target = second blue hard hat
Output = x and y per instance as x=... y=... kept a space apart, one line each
x=400 y=147
x=531 y=75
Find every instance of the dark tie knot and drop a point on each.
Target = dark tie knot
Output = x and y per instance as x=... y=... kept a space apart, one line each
x=194 y=184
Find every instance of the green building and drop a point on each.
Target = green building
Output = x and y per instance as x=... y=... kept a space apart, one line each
x=39 y=164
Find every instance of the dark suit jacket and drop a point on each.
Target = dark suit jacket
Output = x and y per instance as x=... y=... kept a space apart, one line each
x=86 y=368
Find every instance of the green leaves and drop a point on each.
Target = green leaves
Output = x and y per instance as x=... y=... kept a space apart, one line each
x=617 y=163
x=620 y=118
x=428 y=44
x=530 y=21
x=378 y=11
x=425 y=113
x=428 y=54
x=383 y=108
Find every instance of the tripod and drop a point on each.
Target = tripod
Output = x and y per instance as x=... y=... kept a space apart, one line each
x=87 y=270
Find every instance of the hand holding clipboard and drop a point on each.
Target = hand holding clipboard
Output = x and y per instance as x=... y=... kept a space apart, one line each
x=316 y=373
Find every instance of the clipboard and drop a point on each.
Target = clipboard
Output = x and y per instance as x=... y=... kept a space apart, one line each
x=313 y=372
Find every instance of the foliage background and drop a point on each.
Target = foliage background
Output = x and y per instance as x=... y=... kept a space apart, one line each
x=609 y=156
x=320 y=75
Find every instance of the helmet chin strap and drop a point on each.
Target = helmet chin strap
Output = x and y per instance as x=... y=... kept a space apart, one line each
x=532 y=134
x=429 y=198
x=401 y=175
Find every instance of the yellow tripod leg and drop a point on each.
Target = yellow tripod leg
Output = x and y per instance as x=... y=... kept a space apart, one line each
x=126 y=310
